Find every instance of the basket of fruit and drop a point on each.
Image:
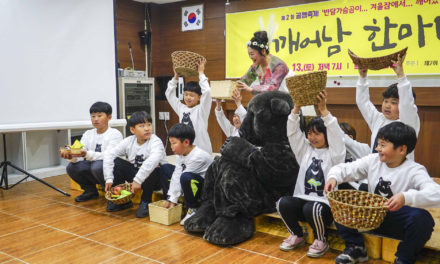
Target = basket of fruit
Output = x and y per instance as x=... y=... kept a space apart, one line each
x=75 y=149
x=120 y=194
x=356 y=209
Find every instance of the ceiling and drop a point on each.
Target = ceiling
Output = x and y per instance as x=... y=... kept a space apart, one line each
x=158 y=1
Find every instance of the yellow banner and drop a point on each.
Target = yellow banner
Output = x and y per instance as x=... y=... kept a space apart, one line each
x=317 y=36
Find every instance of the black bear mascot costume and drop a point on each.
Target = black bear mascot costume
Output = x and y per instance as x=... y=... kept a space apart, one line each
x=252 y=173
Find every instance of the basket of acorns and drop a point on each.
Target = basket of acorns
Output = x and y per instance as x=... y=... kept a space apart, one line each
x=120 y=194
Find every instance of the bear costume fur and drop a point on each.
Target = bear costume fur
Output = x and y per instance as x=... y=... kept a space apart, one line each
x=253 y=172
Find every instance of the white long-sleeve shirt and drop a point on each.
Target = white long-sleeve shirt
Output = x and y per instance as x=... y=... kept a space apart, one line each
x=146 y=157
x=197 y=161
x=410 y=178
x=224 y=123
x=315 y=163
x=197 y=116
x=356 y=149
x=376 y=120
x=97 y=144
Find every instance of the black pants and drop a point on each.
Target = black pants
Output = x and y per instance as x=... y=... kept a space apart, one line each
x=413 y=226
x=191 y=183
x=316 y=214
x=87 y=174
x=124 y=171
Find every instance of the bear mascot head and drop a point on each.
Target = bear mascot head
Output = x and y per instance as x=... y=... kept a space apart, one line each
x=252 y=173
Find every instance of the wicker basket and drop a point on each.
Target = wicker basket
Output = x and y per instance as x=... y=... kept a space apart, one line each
x=356 y=209
x=376 y=63
x=125 y=186
x=305 y=87
x=222 y=89
x=165 y=216
x=186 y=63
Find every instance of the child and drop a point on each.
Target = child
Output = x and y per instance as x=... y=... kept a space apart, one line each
x=189 y=173
x=323 y=149
x=355 y=150
x=87 y=171
x=406 y=183
x=397 y=105
x=240 y=113
x=144 y=153
x=190 y=113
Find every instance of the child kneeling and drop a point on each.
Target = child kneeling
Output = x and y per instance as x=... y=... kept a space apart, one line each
x=189 y=173
x=404 y=182
x=144 y=153
x=323 y=148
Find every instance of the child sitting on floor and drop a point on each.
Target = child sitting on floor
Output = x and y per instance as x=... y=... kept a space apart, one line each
x=240 y=113
x=88 y=171
x=188 y=175
x=323 y=148
x=192 y=113
x=404 y=182
x=144 y=153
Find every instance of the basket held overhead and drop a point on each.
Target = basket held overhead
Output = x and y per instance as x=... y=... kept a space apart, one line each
x=186 y=63
x=357 y=209
x=222 y=89
x=304 y=88
x=125 y=186
x=376 y=63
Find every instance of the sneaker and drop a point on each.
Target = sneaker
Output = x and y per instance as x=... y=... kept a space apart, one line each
x=191 y=212
x=111 y=207
x=292 y=242
x=142 y=210
x=352 y=254
x=317 y=249
x=85 y=196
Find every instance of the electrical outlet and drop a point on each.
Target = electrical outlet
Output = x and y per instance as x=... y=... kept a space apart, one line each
x=164 y=115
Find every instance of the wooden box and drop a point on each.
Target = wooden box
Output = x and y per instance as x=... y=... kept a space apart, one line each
x=222 y=89
x=162 y=215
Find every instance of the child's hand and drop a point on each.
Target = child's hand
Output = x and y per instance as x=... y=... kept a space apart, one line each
x=83 y=153
x=236 y=95
x=322 y=103
x=176 y=76
x=330 y=185
x=296 y=109
x=398 y=66
x=108 y=187
x=66 y=155
x=243 y=86
x=396 y=202
x=362 y=72
x=219 y=104
x=169 y=204
x=202 y=65
x=135 y=187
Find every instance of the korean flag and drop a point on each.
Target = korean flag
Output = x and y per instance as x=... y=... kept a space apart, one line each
x=192 y=17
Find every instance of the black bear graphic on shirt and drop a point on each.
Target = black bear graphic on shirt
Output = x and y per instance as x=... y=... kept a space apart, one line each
x=187 y=120
x=98 y=148
x=138 y=160
x=383 y=188
x=314 y=180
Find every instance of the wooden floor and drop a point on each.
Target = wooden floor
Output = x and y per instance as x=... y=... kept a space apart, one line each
x=40 y=225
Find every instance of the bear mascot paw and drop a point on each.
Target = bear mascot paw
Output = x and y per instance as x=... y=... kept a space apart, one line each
x=253 y=172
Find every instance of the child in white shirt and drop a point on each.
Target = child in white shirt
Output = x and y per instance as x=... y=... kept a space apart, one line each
x=323 y=148
x=144 y=153
x=87 y=170
x=397 y=105
x=192 y=113
x=188 y=176
x=231 y=130
x=404 y=182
